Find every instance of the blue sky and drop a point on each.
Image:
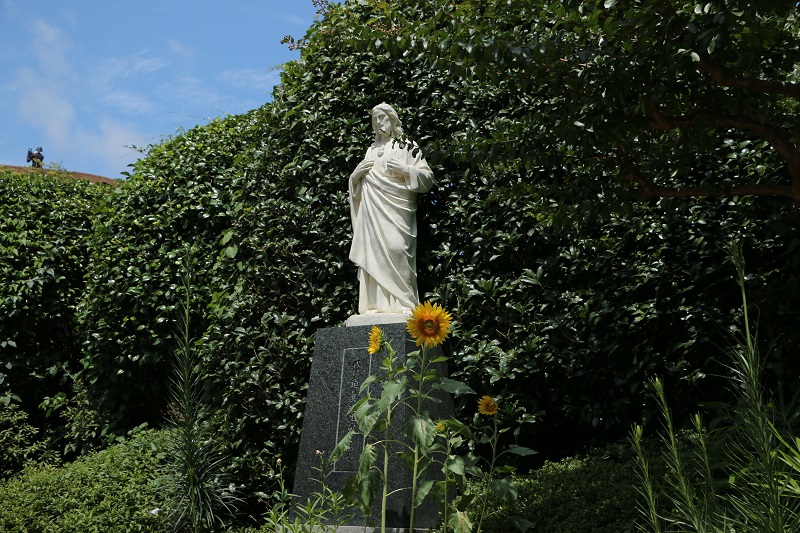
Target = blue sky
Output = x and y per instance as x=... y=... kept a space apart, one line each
x=86 y=78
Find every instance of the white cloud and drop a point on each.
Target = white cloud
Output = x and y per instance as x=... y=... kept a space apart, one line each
x=50 y=47
x=180 y=50
x=250 y=78
x=113 y=78
x=189 y=92
x=109 y=144
x=41 y=103
x=293 y=19
x=146 y=65
x=137 y=64
x=128 y=102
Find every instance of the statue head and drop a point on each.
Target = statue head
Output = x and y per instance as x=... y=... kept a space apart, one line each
x=396 y=127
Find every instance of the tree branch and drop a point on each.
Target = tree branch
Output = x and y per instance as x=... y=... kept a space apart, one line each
x=776 y=135
x=723 y=78
x=648 y=190
x=657 y=191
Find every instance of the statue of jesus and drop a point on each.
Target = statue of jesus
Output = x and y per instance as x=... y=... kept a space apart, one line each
x=383 y=209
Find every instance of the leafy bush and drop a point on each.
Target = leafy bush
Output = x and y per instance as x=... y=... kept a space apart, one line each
x=113 y=490
x=20 y=442
x=46 y=230
x=590 y=493
x=191 y=196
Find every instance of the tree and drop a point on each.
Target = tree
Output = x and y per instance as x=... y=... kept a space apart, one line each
x=670 y=97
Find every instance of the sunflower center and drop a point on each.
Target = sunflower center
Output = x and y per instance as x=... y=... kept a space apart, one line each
x=429 y=325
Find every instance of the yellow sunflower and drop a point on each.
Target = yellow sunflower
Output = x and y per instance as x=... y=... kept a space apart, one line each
x=429 y=324
x=375 y=339
x=441 y=425
x=487 y=406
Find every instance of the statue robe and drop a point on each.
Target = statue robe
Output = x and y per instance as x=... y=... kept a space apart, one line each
x=383 y=209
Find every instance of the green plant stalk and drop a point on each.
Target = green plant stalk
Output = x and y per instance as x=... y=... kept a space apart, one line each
x=385 y=494
x=197 y=462
x=758 y=432
x=421 y=381
x=648 y=491
x=413 y=487
x=684 y=487
x=709 y=479
x=490 y=476
x=448 y=449
x=755 y=416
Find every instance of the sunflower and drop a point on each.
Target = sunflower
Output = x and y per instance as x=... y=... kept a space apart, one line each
x=429 y=324
x=487 y=406
x=441 y=425
x=375 y=339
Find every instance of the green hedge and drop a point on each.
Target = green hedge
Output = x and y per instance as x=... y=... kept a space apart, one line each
x=113 y=490
x=588 y=494
x=46 y=231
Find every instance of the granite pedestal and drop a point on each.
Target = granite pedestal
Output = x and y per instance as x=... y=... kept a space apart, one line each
x=341 y=364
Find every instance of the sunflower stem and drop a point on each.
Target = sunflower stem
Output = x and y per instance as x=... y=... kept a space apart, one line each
x=489 y=478
x=385 y=494
x=421 y=381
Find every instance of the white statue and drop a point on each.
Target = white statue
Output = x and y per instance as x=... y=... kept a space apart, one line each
x=383 y=208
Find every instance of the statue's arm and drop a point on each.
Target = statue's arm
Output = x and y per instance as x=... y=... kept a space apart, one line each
x=358 y=175
x=420 y=175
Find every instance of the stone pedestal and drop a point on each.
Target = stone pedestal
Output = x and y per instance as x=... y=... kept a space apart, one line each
x=341 y=364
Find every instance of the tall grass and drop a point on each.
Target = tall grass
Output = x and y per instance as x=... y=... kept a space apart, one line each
x=741 y=477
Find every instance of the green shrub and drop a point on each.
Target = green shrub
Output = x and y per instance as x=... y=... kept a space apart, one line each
x=592 y=493
x=113 y=490
x=20 y=442
x=46 y=229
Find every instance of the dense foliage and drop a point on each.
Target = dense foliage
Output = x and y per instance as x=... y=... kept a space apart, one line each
x=648 y=92
x=568 y=296
x=113 y=490
x=20 y=442
x=591 y=493
x=46 y=221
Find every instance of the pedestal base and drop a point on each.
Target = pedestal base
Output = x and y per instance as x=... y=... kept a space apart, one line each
x=341 y=364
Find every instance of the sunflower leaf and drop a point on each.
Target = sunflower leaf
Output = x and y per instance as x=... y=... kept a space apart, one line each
x=367 y=382
x=366 y=416
x=454 y=387
x=367 y=459
x=520 y=450
x=393 y=389
x=342 y=446
x=454 y=464
x=422 y=492
x=421 y=430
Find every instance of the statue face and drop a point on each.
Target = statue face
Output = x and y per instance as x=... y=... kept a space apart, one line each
x=381 y=124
